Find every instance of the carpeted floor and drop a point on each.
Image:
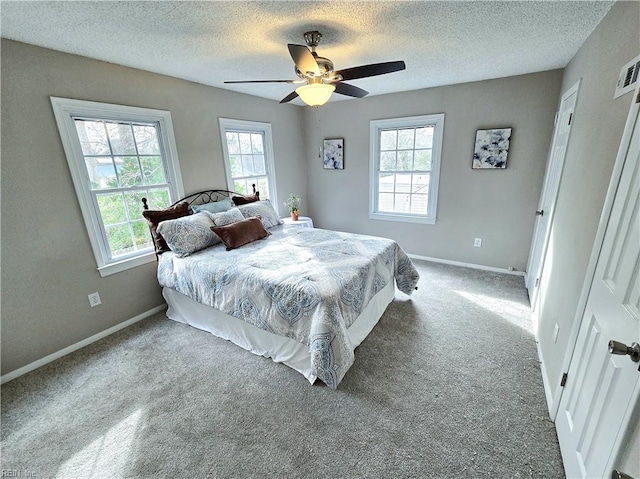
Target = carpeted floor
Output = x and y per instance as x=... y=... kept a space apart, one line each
x=447 y=385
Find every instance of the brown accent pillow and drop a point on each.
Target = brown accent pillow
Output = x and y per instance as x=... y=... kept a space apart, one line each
x=154 y=217
x=241 y=233
x=243 y=200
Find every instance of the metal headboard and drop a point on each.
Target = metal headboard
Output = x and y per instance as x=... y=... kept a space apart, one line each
x=206 y=196
x=202 y=197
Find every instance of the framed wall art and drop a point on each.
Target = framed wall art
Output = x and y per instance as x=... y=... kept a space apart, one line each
x=333 y=154
x=491 y=148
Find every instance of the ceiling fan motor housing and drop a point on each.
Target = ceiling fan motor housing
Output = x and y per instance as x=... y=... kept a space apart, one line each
x=319 y=77
x=324 y=64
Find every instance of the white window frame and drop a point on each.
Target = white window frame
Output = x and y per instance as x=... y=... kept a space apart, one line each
x=65 y=110
x=376 y=126
x=255 y=127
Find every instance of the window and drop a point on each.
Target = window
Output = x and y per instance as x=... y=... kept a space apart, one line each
x=248 y=156
x=117 y=155
x=405 y=168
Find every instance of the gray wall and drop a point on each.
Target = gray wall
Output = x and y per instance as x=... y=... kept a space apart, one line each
x=591 y=152
x=497 y=206
x=595 y=136
x=48 y=267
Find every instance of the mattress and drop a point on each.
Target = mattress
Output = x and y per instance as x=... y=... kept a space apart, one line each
x=263 y=343
x=306 y=285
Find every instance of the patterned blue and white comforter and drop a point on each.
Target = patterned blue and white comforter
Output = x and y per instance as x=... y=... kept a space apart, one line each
x=306 y=284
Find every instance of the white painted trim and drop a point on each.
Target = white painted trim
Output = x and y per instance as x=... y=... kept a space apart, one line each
x=437 y=120
x=555 y=167
x=81 y=344
x=466 y=265
x=545 y=378
x=128 y=263
x=64 y=109
x=625 y=141
x=427 y=220
x=258 y=127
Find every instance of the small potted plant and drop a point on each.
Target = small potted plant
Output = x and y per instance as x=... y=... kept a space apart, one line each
x=293 y=205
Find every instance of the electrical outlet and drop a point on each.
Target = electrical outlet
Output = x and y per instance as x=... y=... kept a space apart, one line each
x=94 y=299
x=477 y=242
x=555 y=332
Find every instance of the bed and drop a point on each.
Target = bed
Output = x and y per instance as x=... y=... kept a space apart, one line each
x=303 y=297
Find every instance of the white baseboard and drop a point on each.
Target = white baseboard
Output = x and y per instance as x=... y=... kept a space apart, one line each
x=545 y=382
x=467 y=265
x=74 y=347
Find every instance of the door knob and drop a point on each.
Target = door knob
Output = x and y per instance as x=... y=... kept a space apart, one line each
x=616 y=347
x=620 y=475
x=540 y=213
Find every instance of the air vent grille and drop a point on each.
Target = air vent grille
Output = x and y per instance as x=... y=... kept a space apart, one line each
x=632 y=75
x=628 y=77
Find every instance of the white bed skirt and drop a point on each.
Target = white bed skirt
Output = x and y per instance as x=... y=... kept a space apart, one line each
x=282 y=350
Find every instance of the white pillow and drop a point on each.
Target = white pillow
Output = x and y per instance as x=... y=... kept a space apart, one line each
x=188 y=234
x=214 y=206
x=264 y=210
x=225 y=218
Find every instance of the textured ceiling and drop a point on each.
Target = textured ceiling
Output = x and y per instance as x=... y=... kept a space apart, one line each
x=208 y=42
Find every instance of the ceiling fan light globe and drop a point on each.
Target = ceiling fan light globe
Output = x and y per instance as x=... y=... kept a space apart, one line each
x=315 y=94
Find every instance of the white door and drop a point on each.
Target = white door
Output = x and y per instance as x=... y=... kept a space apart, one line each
x=550 y=192
x=602 y=389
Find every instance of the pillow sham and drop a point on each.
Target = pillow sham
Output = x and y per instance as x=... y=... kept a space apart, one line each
x=241 y=233
x=264 y=210
x=224 y=218
x=155 y=217
x=243 y=200
x=213 y=207
x=188 y=234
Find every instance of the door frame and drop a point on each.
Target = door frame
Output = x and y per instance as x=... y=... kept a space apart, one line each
x=529 y=274
x=625 y=142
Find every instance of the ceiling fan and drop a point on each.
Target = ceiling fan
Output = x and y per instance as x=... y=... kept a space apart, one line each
x=318 y=78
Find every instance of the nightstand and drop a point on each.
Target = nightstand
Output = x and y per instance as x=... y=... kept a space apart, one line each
x=303 y=221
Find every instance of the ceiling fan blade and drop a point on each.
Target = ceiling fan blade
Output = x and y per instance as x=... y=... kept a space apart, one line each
x=371 y=70
x=291 y=96
x=264 y=81
x=350 y=90
x=303 y=59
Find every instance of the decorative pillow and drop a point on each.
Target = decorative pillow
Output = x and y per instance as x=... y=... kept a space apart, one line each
x=241 y=233
x=188 y=234
x=263 y=209
x=154 y=217
x=232 y=215
x=243 y=200
x=214 y=206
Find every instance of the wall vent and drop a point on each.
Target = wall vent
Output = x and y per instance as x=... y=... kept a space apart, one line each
x=628 y=77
